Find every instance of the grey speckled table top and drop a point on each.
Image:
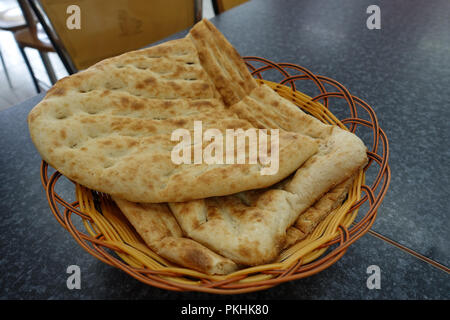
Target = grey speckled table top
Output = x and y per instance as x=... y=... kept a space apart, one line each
x=402 y=71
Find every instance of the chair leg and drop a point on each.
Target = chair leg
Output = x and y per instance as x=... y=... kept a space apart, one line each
x=48 y=66
x=6 y=70
x=30 y=69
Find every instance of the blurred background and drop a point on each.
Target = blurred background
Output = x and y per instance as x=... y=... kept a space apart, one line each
x=40 y=41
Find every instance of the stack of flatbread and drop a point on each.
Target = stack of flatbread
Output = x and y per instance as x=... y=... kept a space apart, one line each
x=109 y=128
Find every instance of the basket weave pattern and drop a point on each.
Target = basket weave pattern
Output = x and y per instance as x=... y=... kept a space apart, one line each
x=109 y=237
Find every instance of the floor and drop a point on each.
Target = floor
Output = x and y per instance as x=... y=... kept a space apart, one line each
x=22 y=85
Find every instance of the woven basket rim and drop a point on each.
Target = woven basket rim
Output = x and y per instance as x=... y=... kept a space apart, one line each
x=374 y=194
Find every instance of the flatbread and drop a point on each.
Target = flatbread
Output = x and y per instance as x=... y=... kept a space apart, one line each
x=251 y=228
x=160 y=231
x=222 y=62
x=308 y=220
x=109 y=128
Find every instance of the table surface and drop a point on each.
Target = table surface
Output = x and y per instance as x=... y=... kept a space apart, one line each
x=401 y=70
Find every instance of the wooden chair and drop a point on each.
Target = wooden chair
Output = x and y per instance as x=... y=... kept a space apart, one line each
x=111 y=27
x=220 y=6
x=31 y=37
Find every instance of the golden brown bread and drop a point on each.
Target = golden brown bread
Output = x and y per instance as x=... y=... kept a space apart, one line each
x=308 y=220
x=222 y=62
x=160 y=231
x=109 y=128
x=249 y=234
x=264 y=108
x=251 y=227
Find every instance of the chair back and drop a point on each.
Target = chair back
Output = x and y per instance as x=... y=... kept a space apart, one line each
x=110 y=27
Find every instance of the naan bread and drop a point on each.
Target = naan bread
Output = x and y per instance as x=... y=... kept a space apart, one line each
x=308 y=220
x=160 y=231
x=109 y=127
x=251 y=228
x=222 y=62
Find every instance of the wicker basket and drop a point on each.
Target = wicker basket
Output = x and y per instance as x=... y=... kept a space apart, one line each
x=108 y=236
